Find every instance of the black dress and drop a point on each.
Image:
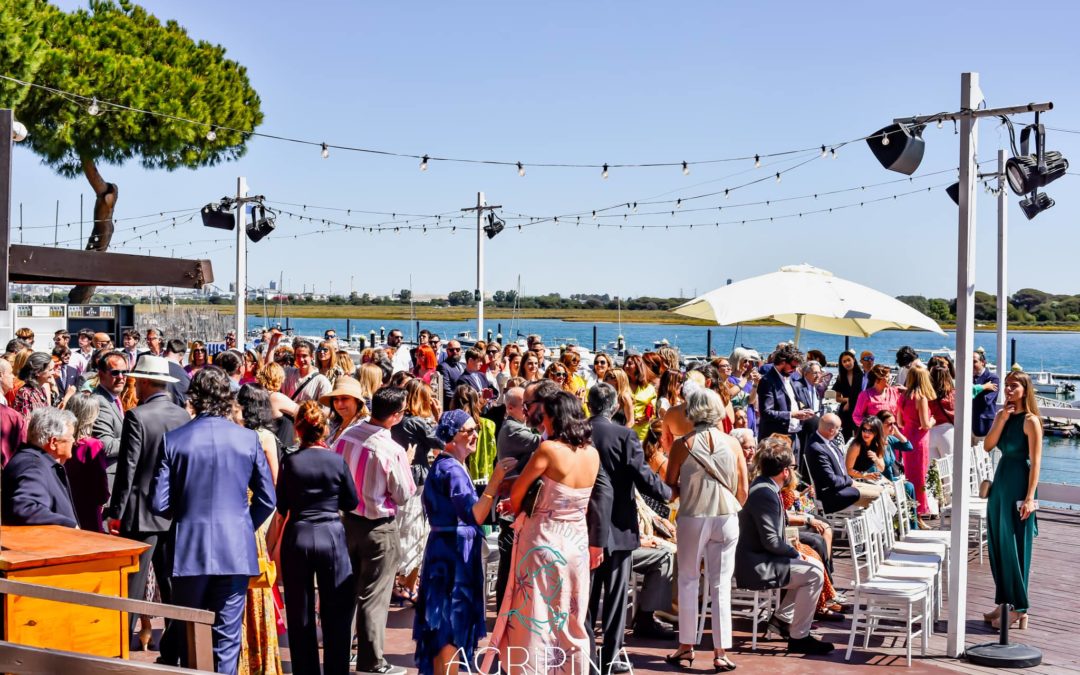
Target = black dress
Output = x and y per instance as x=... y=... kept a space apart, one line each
x=850 y=391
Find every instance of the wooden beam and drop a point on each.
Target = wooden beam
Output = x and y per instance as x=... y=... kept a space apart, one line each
x=16 y=658
x=176 y=612
x=45 y=265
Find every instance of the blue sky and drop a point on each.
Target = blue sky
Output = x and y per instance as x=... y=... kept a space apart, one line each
x=617 y=82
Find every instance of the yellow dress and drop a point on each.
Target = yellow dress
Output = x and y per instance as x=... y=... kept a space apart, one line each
x=643 y=398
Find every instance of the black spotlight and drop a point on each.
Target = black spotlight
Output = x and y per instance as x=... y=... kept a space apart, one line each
x=495 y=225
x=1027 y=173
x=899 y=147
x=954 y=193
x=218 y=215
x=261 y=223
x=1033 y=206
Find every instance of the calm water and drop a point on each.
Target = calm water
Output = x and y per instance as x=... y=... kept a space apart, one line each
x=1056 y=352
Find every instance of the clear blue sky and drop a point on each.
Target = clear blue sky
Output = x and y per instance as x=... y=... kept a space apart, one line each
x=611 y=82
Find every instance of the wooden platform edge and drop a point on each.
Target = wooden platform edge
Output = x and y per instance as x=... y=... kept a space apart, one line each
x=21 y=659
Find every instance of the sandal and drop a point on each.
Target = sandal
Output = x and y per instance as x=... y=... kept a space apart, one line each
x=828 y=614
x=722 y=664
x=679 y=657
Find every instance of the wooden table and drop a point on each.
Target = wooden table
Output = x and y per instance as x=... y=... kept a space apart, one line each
x=78 y=560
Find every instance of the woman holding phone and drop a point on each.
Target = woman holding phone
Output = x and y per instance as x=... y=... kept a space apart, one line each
x=1011 y=528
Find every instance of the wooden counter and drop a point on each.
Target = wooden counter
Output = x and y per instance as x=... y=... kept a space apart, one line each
x=77 y=560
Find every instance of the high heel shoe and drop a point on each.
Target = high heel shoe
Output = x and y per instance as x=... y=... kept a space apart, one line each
x=679 y=657
x=722 y=664
x=146 y=632
x=990 y=617
x=1017 y=619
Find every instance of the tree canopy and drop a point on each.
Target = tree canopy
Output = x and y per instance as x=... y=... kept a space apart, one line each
x=118 y=52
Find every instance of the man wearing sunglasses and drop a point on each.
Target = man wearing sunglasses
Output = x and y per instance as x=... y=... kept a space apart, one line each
x=451 y=369
x=866 y=362
x=109 y=425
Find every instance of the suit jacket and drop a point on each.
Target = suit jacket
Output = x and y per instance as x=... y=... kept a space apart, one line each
x=450 y=373
x=832 y=484
x=985 y=405
x=811 y=401
x=623 y=460
x=69 y=376
x=598 y=515
x=762 y=556
x=207 y=467
x=108 y=427
x=140 y=451
x=178 y=390
x=774 y=406
x=35 y=490
x=12 y=432
x=519 y=441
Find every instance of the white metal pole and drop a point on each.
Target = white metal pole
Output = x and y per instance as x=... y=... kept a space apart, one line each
x=798 y=327
x=241 y=262
x=480 y=266
x=970 y=98
x=1003 y=364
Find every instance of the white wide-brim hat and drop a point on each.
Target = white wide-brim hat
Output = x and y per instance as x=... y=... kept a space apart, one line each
x=150 y=367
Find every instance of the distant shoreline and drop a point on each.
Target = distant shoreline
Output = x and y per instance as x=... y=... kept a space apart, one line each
x=425 y=313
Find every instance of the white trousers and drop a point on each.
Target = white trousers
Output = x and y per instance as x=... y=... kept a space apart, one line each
x=713 y=539
x=799 y=600
x=941 y=441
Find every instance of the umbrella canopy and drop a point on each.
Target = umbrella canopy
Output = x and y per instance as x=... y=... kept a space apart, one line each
x=808 y=298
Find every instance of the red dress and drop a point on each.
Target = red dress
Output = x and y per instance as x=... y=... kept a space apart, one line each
x=89 y=481
x=917 y=461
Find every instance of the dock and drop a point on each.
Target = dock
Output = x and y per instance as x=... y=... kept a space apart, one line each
x=1052 y=626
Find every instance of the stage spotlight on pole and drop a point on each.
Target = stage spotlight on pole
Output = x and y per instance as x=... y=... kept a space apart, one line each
x=219 y=215
x=495 y=225
x=262 y=223
x=1027 y=174
x=954 y=193
x=899 y=147
x=1033 y=206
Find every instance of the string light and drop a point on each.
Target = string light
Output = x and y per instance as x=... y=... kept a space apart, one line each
x=757 y=161
x=678 y=205
x=885 y=139
x=211 y=135
x=423 y=162
x=940 y=123
x=521 y=169
x=325 y=151
x=833 y=151
x=604 y=173
x=685 y=169
x=93 y=109
x=824 y=152
x=594 y=215
x=777 y=176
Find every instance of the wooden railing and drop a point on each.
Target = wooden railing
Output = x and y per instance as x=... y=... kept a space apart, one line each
x=16 y=658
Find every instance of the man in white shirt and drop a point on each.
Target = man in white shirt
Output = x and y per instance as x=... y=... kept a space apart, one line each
x=402 y=360
x=304 y=382
x=80 y=358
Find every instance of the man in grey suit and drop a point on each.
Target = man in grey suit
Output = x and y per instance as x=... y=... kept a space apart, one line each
x=518 y=440
x=112 y=374
x=764 y=559
x=140 y=451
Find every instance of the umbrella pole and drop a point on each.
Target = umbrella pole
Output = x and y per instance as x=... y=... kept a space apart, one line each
x=798 y=328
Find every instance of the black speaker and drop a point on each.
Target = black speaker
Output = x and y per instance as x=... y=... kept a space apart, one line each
x=903 y=151
x=219 y=216
x=954 y=193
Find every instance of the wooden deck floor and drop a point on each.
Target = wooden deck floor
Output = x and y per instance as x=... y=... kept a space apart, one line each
x=1053 y=625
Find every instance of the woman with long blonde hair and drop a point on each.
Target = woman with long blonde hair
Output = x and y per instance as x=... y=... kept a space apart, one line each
x=370 y=376
x=915 y=421
x=1010 y=509
x=616 y=377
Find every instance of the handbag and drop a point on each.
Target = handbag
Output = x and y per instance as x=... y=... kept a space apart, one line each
x=528 y=502
x=984 y=489
x=710 y=470
x=267 y=575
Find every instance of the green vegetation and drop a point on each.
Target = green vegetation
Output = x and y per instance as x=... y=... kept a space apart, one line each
x=1028 y=307
x=118 y=52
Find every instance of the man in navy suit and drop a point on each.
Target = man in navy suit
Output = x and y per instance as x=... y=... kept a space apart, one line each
x=34 y=484
x=985 y=405
x=207 y=467
x=781 y=409
x=623 y=461
x=828 y=469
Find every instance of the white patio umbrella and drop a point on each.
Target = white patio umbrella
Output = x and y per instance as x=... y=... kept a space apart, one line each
x=810 y=298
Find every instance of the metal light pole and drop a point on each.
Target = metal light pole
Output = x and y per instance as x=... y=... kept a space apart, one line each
x=241 y=261
x=480 y=207
x=1002 y=276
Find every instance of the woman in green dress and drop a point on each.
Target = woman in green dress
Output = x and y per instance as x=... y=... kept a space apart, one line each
x=1011 y=527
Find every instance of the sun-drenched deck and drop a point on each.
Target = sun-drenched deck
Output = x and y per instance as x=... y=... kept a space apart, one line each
x=1052 y=626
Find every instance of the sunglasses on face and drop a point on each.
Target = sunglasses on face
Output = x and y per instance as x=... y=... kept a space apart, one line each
x=601 y=363
x=117 y=372
x=867 y=359
x=198 y=351
x=470 y=431
x=492 y=352
x=323 y=349
x=453 y=350
x=558 y=376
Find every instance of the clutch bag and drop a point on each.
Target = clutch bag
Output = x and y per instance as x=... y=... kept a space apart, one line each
x=528 y=502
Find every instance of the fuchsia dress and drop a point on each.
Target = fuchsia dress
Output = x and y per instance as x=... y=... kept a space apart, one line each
x=916 y=462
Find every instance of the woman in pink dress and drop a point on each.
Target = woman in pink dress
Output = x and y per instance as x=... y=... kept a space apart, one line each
x=879 y=395
x=542 y=619
x=915 y=421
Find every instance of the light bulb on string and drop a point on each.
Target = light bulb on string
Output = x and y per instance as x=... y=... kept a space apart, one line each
x=885 y=139
x=635 y=207
x=521 y=169
x=423 y=163
x=325 y=151
x=594 y=215
x=604 y=173
x=211 y=135
x=93 y=109
x=678 y=203
x=757 y=161
x=777 y=176
x=824 y=151
x=833 y=151
x=685 y=169
x=940 y=123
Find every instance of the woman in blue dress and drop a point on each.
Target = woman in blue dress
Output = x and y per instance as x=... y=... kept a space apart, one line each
x=450 y=604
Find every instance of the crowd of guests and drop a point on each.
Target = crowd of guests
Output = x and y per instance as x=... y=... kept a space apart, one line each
x=347 y=486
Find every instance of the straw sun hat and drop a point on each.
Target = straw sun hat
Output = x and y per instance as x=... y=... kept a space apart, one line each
x=344 y=386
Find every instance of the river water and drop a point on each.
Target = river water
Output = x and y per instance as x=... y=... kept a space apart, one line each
x=1056 y=352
